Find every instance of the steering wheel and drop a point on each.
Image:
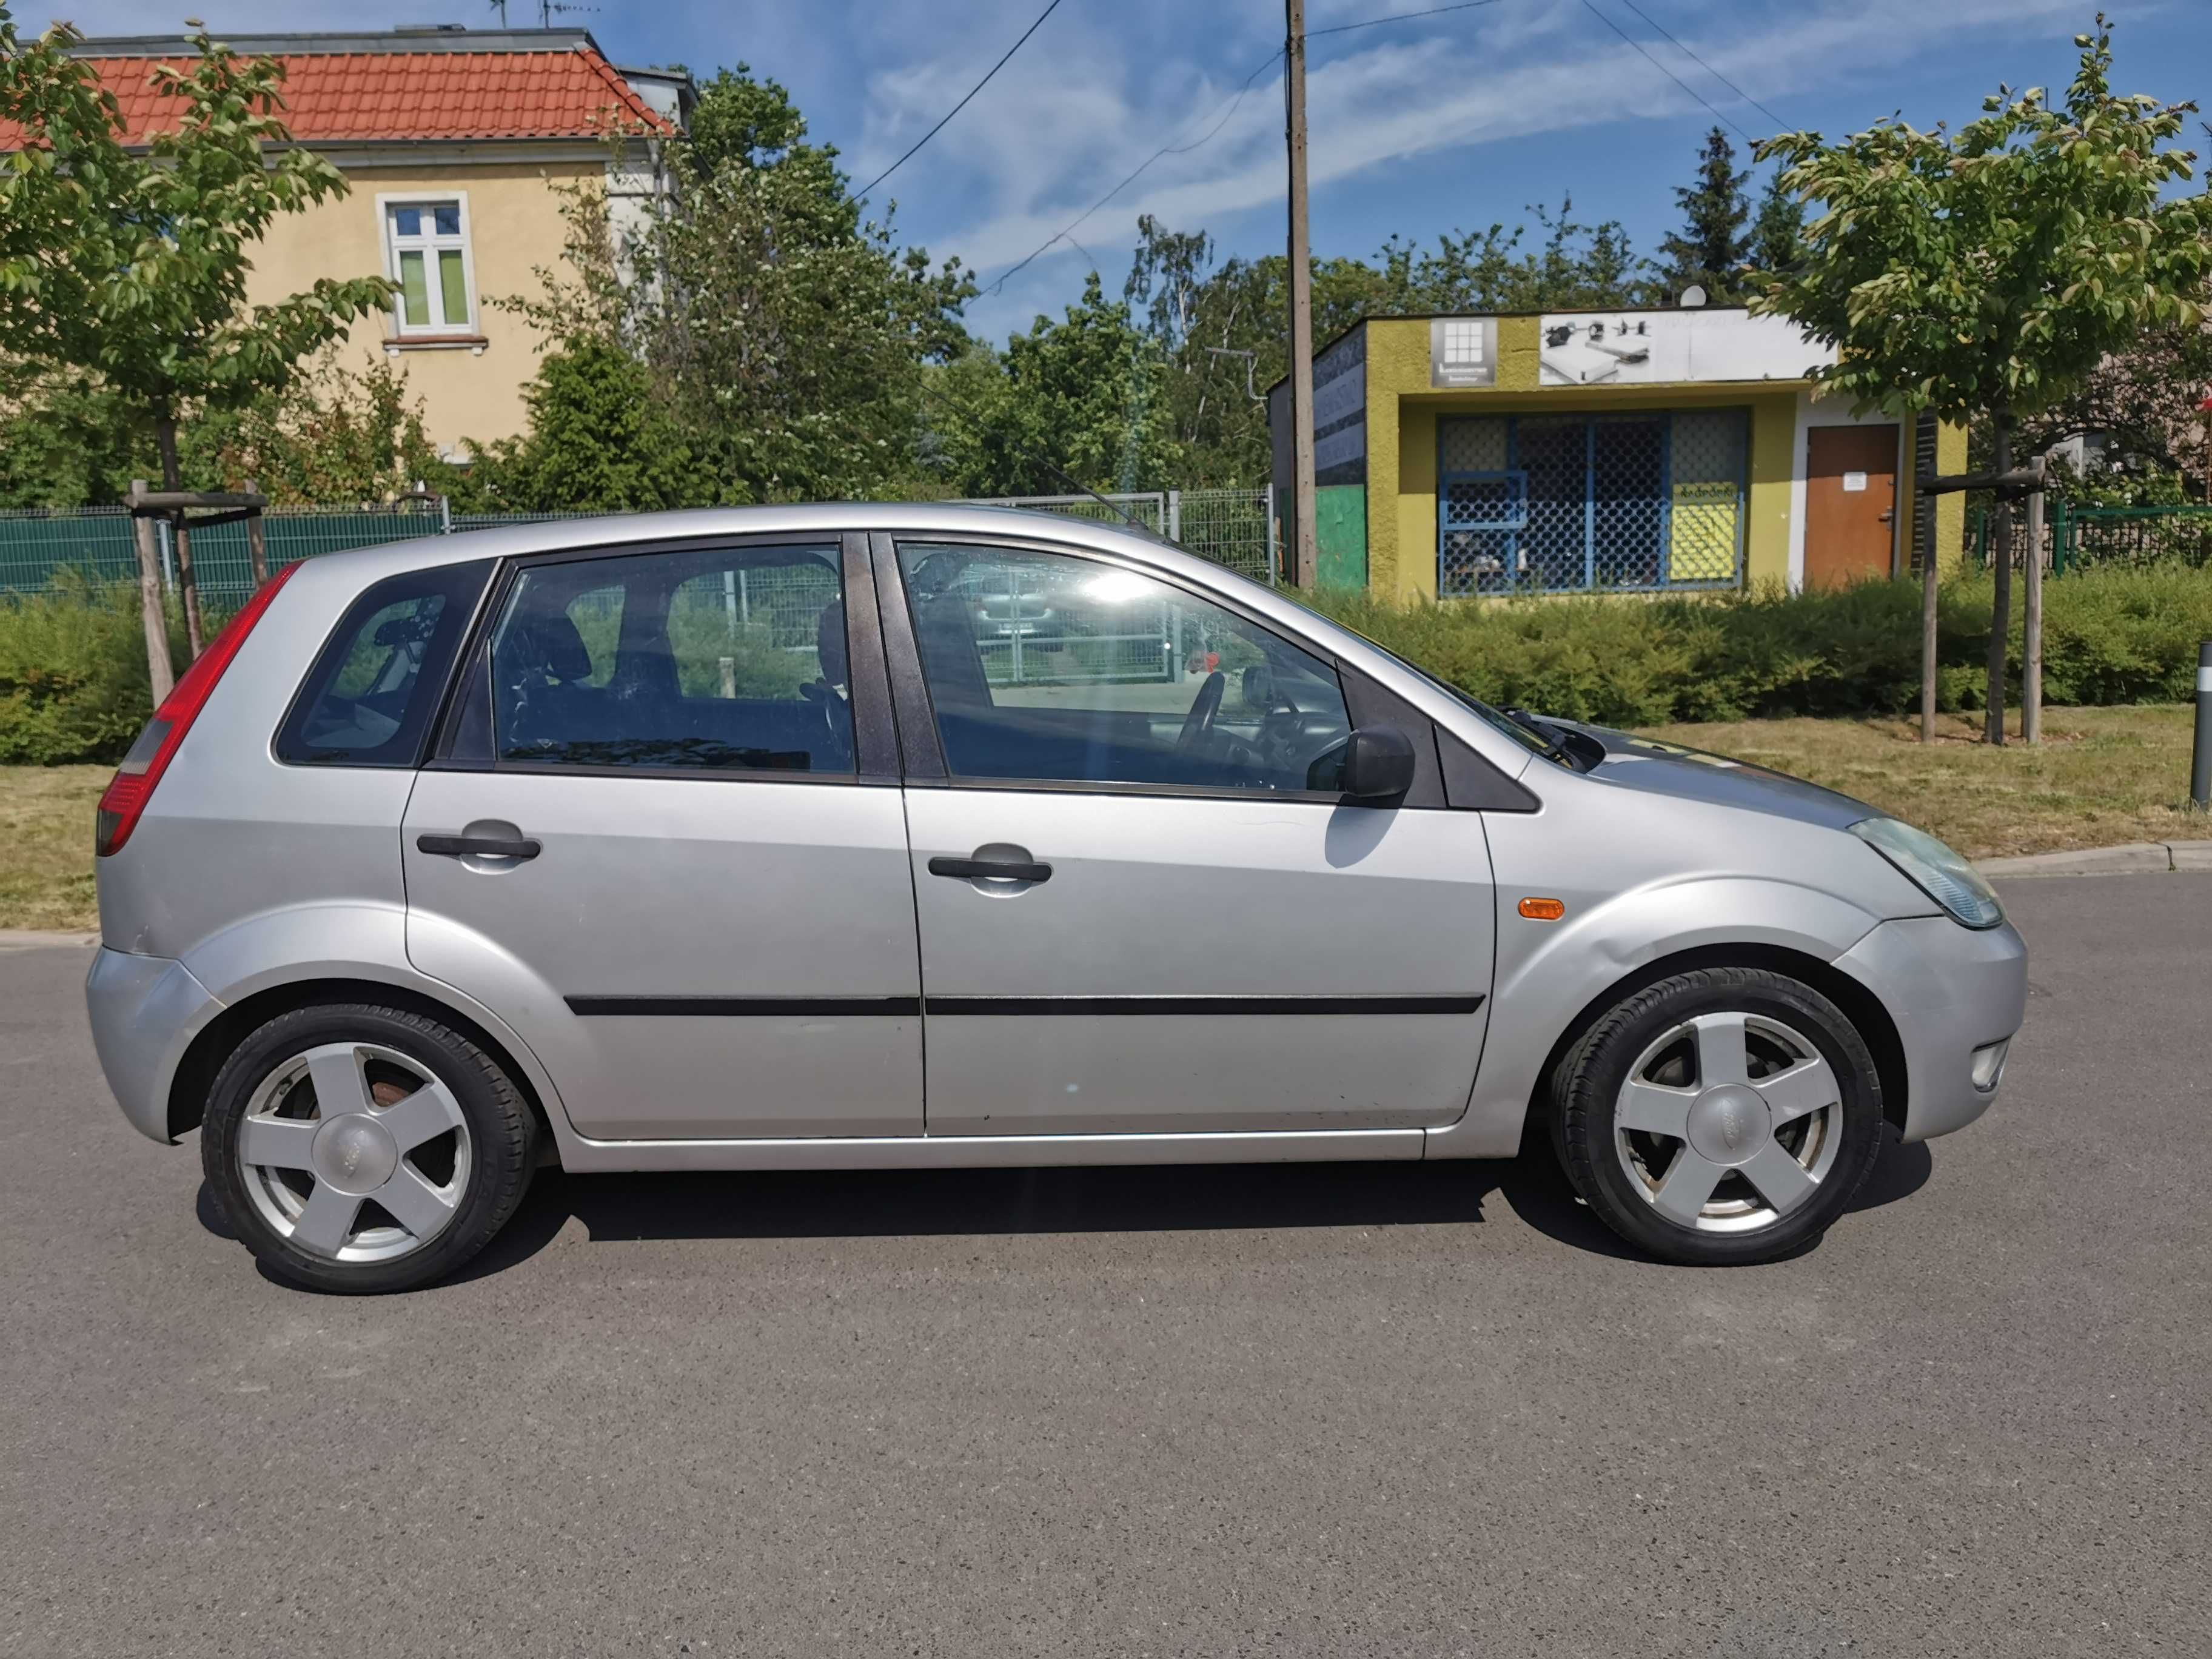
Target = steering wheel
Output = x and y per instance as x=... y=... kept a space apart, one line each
x=1197 y=724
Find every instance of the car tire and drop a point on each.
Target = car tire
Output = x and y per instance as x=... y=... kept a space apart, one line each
x=422 y=1152
x=1719 y=1117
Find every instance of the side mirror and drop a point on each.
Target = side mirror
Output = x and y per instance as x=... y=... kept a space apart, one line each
x=1379 y=763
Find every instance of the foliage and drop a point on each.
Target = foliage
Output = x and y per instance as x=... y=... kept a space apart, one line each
x=2143 y=398
x=132 y=267
x=1220 y=326
x=1709 y=249
x=2109 y=637
x=781 y=338
x=333 y=436
x=73 y=672
x=1994 y=270
x=600 y=438
x=1079 y=402
x=1777 y=230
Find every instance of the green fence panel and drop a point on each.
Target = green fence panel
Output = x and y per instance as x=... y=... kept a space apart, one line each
x=35 y=547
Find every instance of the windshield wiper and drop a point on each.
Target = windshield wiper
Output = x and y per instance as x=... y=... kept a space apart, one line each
x=1535 y=728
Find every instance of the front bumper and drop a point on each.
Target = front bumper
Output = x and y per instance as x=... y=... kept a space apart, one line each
x=145 y=1011
x=1950 y=991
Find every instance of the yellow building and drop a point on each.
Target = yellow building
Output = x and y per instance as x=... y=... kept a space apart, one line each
x=1604 y=451
x=457 y=143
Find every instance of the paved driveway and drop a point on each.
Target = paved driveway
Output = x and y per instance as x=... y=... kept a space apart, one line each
x=1394 y=1410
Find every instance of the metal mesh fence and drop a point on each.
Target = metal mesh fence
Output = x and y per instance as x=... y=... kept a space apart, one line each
x=1568 y=503
x=37 y=546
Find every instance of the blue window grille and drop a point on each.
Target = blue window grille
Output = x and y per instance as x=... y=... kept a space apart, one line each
x=1591 y=503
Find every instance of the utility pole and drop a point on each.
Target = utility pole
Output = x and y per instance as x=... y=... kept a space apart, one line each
x=1302 y=415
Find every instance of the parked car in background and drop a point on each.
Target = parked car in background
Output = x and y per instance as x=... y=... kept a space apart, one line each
x=454 y=857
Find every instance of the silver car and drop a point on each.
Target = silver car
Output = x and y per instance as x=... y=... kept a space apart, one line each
x=721 y=841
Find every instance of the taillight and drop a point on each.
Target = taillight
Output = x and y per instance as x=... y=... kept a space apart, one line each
x=133 y=786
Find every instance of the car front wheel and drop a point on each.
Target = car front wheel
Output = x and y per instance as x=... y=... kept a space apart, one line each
x=1726 y=1115
x=363 y=1148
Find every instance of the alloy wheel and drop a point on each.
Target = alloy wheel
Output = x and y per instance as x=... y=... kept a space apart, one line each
x=353 y=1152
x=1729 y=1123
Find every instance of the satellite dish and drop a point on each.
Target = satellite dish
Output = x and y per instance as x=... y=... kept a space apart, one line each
x=1692 y=297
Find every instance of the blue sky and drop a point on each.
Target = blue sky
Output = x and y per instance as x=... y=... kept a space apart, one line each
x=1417 y=127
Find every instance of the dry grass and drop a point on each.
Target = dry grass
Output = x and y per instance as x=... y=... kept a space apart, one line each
x=45 y=845
x=2102 y=775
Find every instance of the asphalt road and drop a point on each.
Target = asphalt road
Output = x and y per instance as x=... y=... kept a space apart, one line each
x=1394 y=1410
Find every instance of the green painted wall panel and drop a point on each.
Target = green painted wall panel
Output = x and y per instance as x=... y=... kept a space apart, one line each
x=1340 y=535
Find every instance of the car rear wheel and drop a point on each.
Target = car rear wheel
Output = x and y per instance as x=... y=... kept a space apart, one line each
x=363 y=1148
x=1723 y=1116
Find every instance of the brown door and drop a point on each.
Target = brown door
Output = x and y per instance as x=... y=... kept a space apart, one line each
x=1851 y=502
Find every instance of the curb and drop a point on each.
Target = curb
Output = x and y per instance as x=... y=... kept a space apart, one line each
x=37 y=938
x=2134 y=858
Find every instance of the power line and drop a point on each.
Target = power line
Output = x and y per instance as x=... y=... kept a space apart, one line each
x=1265 y=62
x=1397 y=17
x=1048 y=10
x=1272 y=58
x=1778 y=122
x=1591 y=8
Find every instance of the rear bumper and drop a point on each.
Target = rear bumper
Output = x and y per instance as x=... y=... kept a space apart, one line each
x=144 y=1011
x=1950 y=991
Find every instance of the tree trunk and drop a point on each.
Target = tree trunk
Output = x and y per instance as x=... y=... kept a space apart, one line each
x=257 y=542
x=2000 y=570
x=160 y=672
x=1928 y=579
x=172 y=478
x=2031 y=627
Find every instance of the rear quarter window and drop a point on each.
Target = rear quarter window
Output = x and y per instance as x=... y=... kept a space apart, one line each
x=374 y=688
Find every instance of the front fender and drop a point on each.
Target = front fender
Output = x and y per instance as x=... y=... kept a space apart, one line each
x=303 y=944
x=1549 y=972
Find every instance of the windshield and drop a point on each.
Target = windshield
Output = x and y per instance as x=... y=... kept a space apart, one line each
x=1534 y=743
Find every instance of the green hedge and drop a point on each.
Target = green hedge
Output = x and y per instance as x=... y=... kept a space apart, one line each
x=73 y=662
x=73 y=682
x=2109 y=637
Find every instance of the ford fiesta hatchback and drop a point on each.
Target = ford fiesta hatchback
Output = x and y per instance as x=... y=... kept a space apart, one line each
x=757 y=839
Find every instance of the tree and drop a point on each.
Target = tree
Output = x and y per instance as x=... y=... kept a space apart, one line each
x=1710 y=248
x=1084 y=397
x=131 y=268
x=1777 y=230
x=784 y=336
x=600 y=439
x=1993 y=269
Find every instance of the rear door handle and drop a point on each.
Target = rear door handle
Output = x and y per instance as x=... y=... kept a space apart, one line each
x=990 y=870
x=486 y=847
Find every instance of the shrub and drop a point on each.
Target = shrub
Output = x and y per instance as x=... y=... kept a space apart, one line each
x=2110 y=637
x=73 y=682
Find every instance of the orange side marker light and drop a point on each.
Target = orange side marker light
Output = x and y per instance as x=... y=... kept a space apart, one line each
x=1543 y=910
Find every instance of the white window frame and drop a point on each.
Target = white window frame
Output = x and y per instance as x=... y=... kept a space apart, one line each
x=430 y=244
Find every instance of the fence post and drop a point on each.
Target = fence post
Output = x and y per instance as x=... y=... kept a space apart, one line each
x=160 y=672
x=1175 y=517
x=168 y=561
x=257 y=545
x=445 y=515
x=2031 y=623
x=2200 y=760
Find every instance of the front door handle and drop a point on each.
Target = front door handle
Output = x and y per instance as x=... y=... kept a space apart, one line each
x=998 y=869
x=483 y=847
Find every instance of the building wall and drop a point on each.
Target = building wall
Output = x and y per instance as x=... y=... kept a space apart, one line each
x=515 y=227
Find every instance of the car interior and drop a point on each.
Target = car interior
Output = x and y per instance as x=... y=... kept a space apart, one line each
x=651 y=701
x=1277 y=723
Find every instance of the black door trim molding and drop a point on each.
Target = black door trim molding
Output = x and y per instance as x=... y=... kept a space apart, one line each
x=1207 y=1004
x=908 y=1007
x=745 y=1008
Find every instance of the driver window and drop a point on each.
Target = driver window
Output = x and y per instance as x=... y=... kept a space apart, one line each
x=1051 y=667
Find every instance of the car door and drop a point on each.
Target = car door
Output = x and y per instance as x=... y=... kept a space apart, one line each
x=1144 y=905
x=664 y=839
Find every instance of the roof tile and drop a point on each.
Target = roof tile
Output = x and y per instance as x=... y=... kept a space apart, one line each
x=372 y=97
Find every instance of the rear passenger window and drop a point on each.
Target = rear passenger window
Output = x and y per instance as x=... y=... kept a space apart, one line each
x=730 y=660
x=369 y=699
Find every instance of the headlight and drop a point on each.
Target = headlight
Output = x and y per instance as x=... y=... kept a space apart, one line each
x=1934 y=869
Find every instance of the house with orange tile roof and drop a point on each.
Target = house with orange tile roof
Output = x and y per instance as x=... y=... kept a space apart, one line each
x=457 y=143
